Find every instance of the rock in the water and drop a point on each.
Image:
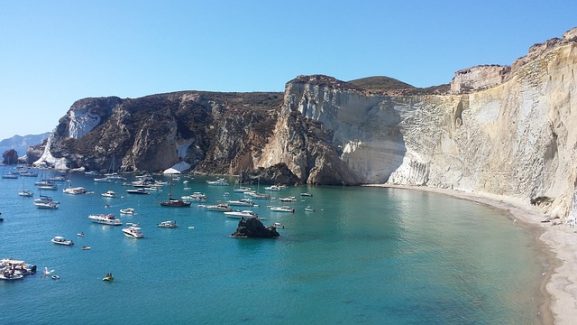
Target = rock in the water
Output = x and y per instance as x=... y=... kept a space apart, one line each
x=253 y=228
x=10 y=157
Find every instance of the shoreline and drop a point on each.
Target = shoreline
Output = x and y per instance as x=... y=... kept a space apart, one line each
x=556 y=243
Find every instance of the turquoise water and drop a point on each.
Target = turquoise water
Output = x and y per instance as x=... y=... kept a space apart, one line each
x=373 y=256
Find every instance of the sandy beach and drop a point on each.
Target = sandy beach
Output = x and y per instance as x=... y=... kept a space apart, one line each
x=559 y=286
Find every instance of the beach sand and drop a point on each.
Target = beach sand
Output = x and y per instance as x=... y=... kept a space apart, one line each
x=559 y=286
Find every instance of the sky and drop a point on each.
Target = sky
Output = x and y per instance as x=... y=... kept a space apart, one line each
x=53 y=53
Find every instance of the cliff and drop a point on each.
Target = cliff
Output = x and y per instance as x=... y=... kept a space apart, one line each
x=495 y=129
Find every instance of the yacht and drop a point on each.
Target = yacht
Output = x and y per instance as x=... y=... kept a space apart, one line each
x=258 y=196
x=241 y=203
x=74 y=190
x=167 y=224
x=283 y=209
x=241 y=214
x=105 y=219
x=129 y=211
x=59 y=240
x=46 y=205
x=288 y=199
x=196 y=196
x=26 y=193
x=46 y=185
x=221 y=207
x=275 y=187
x=218 y=182
x=133 y=232
x=138 y=191
x=109 y=194
x=306 y=194
x=10 y=175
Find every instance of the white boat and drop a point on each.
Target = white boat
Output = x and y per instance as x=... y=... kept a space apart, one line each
x=46 y=205
x=241 y=203
x=59 y=240
x=105 y=219
x=133 y=232
x=138 y=191
x=74 y=190
x=258 y=196
x=10 y=175
x=242 y=189
x=309 y=209
x=45 y=199
x=167 y=224
x=46 y=185
x=128 y=211
x=275 y=187
x=196 y=196
x=26 y=193
x=282 y=209
x=218 y=182
x=288 y=199
x=306 y=194
x=109 y=194
x=241 y=214
x=221 y=207
x=9 y=274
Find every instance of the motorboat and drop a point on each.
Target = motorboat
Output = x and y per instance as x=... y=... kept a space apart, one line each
x=14 y=269
x=309 y=209
x=45 y=199
x=241 y=214
x=282 y=209
x=109 y=194
x=105 y=219
x=128 y=211
x=258 y=196
x=275 y=187
x=108 y=277
x=218 y=182
x=133 y=232
x=241 y=203
x=167 y=224
x=10 y=175
x=10 y=274
x=306 y=194
x=26 y=193
x=221 y=207
x=86 y=248
x=141 y=191
x=196 y=196
x=242 y=189
x=74 y=190
x=59 y=240
x=288 y=199
x=46 y=205
x=175 y=203
x=46 y=185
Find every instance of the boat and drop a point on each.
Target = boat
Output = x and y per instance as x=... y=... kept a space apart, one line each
x=167 y=224
x=221 y=207
x=10 y=274
x=26 y=193
x=109 y=194
x=275 y=187
x=46 y=185
x=241 y=214
x=28 y=173
x=288 y=199
x=10 y=175
x=46 y=205
x=175 y=203
x=278 y=225
x=108 y=277
x=59 y=240
x=138 y=191
x=14 y=269
x=258 y=196
x=55 y=277
x=128 y=211
x=309 y=209
x=196 y=196
x=74 y=190
x=133 y=232
x=241 y=203
x=105 y=219
x=306 y=194
x=86 y=248
x=242 y=189
x=282 y=209
x=218 y=182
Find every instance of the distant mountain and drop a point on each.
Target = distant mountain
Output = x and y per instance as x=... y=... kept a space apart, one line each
x=21 y=143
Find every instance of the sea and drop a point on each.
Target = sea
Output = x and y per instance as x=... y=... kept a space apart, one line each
x=357 y=256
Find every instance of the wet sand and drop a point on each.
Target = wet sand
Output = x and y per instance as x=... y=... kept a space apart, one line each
x=557 y=245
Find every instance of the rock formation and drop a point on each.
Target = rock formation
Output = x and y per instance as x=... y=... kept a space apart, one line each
x=10 y=157
x=496 y=129
x=253 y=228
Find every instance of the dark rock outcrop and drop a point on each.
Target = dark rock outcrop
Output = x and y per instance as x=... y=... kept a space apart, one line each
x=276 y=174
x=253 y=228
x=10 y=157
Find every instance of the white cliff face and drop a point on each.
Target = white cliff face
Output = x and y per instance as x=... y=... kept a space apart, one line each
x=82 y=121
x=517 y=138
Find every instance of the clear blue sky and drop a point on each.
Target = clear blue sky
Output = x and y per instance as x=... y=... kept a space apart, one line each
x=55 y=52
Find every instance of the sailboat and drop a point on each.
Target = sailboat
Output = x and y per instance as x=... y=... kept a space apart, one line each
x=24 y=192
x=172 y=202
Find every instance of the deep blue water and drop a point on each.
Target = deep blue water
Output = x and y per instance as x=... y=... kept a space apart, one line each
x=366 y=255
